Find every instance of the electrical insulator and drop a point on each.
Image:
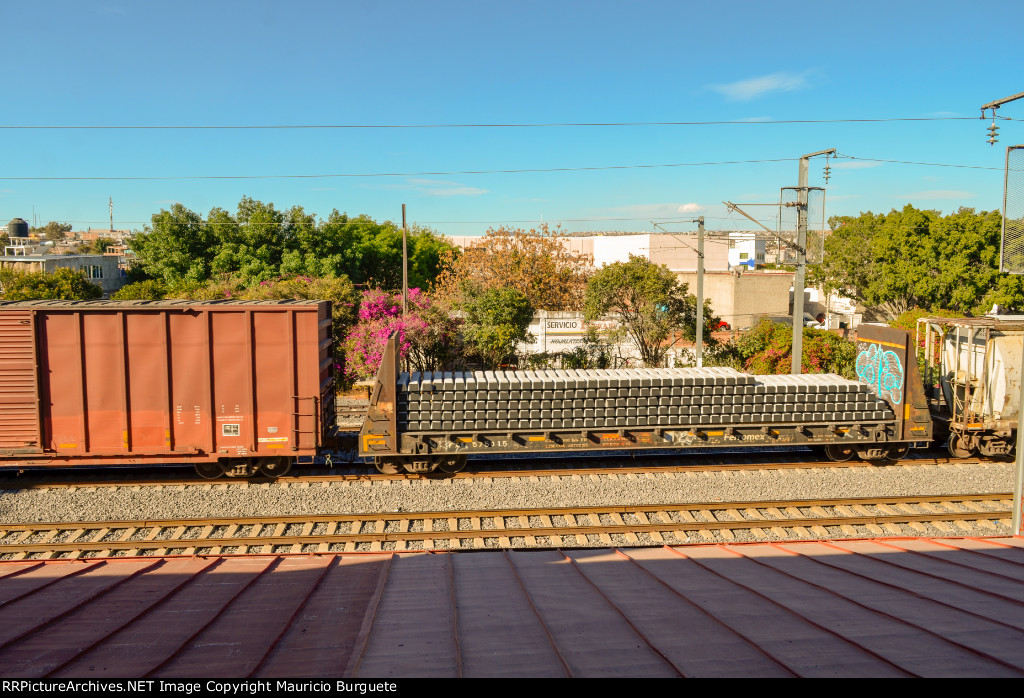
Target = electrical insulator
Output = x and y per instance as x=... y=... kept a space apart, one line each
x=827 y=170
x=992 y=133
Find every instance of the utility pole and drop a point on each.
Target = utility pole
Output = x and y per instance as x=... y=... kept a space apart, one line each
x=699 y=348
x=801 y=262
x=993 y=130
x=405 y=267
x=699 y=345
x=1011 y=266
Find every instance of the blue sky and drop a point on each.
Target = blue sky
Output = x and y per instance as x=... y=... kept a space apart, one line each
x=255 y=63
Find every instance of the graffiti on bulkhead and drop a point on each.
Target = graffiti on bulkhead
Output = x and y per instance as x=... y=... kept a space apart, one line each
x=882 y=370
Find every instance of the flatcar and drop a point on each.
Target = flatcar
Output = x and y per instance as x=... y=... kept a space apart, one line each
x=433 y=421
x=232 y=387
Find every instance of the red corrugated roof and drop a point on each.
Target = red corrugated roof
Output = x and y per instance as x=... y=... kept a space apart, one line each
x=898 y=607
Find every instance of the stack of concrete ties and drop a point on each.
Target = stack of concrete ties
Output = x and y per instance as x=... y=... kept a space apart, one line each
x=603 y=399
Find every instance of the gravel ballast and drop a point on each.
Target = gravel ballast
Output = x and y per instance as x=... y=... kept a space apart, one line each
x=360 y=497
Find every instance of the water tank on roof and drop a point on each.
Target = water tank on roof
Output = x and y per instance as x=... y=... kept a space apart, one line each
x=17 y=228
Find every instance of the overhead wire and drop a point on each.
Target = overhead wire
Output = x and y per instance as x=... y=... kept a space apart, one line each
x=400 y=174
x=482 y=172
x=153 y=127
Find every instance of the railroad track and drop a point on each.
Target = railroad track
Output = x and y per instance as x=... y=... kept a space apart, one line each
x=575 y=527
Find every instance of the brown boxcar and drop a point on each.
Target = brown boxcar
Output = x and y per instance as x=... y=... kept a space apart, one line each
x=230 y=386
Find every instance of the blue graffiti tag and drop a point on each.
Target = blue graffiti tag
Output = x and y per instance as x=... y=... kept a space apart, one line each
x=881 y=369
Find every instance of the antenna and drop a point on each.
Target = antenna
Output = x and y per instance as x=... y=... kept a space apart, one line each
x=110 y=202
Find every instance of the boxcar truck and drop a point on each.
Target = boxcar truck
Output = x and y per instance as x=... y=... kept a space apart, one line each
x=232 y=387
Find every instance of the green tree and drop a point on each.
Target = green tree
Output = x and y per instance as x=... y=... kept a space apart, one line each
x=594 y=352
x=496 y=320
x=61 y=284
x=260 y=242
x=97 y=246
x=177 y=248
x=908 y=320
x=253 y=245
x=53 y=231
x=650 y=303
x=768 y=349
x=967 y=246
x=894 y=262
x=148 y=290
x=537 y=263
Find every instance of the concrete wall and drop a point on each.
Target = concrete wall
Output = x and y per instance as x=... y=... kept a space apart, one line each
x=558 y=331
x=109 y=275
x=740 y=298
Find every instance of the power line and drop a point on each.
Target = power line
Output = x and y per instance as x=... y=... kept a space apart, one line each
x=908 y=162
x=397 y=174
x=599 y=219
x=138 y=127
x=479 y=172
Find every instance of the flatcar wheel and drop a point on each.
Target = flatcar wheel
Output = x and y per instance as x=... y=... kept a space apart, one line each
x=274 y=467
x=210 y=471
x=388 y=466
x=960 y=446
x=452 y=464
x=898 y=452
x=839 y=454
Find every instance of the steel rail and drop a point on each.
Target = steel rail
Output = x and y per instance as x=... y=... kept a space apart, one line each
x=92 y=537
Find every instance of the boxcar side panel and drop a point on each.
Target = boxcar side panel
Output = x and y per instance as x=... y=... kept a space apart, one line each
x=190 y=382
x=146 y=351
x=62 y=392
x=312 y=400
x=232 y=380
x=103 y=361
x=273 y=366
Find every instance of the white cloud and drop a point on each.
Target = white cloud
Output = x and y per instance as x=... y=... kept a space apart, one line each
x=750 y=88
x=432 y=182
x=641 y=211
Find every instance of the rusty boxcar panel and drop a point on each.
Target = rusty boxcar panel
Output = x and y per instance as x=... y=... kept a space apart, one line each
x=163 y=381
x=19 y=408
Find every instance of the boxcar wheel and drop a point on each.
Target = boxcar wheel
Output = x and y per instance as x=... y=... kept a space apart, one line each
x=960 y=446
x=210 y=471
x=274 y=467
